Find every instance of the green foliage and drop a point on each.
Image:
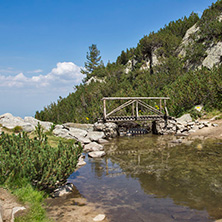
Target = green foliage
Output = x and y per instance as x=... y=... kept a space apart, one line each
x=93 y=58
x=170 y=77
x=210 y=26
x=44 y=166
x=17 y=129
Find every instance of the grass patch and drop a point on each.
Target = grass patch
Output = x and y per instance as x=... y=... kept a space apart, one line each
x=213 y=113
x=31 y=198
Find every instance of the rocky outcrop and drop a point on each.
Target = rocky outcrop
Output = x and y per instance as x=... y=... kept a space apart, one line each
x=28 y=124
x=94 y=79
x=214 y=56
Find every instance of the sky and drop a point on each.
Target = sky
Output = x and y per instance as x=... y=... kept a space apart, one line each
x=43 y=43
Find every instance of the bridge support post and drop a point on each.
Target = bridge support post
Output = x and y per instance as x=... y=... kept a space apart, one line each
x=104 y=109
x=137 y=111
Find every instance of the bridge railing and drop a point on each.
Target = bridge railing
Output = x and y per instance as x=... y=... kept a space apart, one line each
x=135 y=102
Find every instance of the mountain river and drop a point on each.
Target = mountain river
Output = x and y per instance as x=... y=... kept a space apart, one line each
x=149 y=178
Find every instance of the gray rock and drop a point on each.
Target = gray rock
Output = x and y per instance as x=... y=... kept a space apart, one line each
x=64 y=133
x=46 y=125
x=214 y=125
x=84 y=140
x=95 y=136
x=87 y=127
x=96 y=154
x=201 y=126
x=99 y=126
x=63 y=190
x=213 y=56
x=15 y=210
x=94 y=79
x=186 y=118
x=93 y=146
x=99 y=217
x=102 y=141
x=192 y=131
x=77 y=133
x=110 y=129
x=10 y=122
x=58 y=127
x=81 y=161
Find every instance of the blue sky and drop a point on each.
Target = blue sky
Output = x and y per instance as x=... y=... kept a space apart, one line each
x=43 y=43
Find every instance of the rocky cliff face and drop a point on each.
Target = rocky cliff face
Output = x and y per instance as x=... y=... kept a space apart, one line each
x=211 y=52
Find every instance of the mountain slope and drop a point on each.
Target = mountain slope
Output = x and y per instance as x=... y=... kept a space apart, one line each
x=182 y=61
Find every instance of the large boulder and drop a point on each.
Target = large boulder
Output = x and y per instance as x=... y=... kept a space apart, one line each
x=214 y=55
x=110 y=129
x=186 y=118
x=77 y=133
x=93 y=146
x=95 y=136
x=87 y=127
x=60 y=132
x=46 y=125
x=10 y=122
x=96 y=154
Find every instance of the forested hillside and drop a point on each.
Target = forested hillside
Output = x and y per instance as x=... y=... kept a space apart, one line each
x=182 y=60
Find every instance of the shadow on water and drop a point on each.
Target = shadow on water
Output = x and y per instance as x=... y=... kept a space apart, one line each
x=149 y=179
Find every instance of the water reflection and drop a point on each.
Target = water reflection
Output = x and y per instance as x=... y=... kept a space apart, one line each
x=150 y=179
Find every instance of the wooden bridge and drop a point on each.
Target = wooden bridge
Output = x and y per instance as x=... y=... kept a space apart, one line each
x=141 y=110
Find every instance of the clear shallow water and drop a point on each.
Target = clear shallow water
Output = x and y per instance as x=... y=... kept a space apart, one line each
x=148 y=179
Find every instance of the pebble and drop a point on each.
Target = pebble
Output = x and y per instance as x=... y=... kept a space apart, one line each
x=99 y=217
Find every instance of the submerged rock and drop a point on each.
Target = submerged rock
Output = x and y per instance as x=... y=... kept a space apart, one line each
x=93 y=146
x=96 y=154
x=63 y=190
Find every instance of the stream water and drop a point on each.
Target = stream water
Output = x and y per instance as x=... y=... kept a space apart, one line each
x=148 y=178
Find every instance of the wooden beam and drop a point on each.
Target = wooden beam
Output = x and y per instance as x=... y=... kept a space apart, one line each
x=150 y=108
x=133 y=98
x=137 y=111
x=160 y=105
x=121 y=107
x=104 y=109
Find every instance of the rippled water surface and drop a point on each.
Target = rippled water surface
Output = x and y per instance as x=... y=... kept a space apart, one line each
x=151 y=179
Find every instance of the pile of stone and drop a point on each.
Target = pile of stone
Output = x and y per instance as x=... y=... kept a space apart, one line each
x=181 y=126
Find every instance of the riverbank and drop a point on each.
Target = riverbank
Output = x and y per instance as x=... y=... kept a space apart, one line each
x=211 y=131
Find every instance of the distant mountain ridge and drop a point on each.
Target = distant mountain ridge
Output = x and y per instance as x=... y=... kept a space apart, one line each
x=183 y=60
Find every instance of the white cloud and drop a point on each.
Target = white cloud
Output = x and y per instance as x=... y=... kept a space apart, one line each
x=22 y=95
x=65 y=74
x=35 y=71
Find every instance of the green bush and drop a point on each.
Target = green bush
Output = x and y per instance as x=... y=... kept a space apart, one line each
x=17 y=129
x=44 y=166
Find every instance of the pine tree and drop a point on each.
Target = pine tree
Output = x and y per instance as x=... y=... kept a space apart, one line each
x=93 y=60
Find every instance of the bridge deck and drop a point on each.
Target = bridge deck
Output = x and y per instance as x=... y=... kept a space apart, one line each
x=134 y=118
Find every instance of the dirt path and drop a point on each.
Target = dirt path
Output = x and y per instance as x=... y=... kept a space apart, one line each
x=8 y=205
x=211 y=131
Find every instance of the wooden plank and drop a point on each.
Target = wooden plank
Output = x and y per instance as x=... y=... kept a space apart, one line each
x=133 y=98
